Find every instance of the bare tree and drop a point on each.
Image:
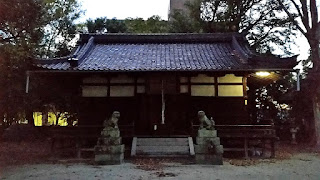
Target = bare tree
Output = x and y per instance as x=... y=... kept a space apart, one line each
x=304 y=15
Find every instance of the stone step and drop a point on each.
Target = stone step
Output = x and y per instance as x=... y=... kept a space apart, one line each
x=162 y=147
x=162 y=140
x=87 y=149
x=163 y=156
x=161 y=143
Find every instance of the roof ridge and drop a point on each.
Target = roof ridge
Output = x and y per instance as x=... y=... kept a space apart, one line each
x=242 y=55
x=58 y=59
x=83 y=52
x=52 y=60
x=159 y=38
x=159 y=34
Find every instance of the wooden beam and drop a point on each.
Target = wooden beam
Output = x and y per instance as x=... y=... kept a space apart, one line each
x=189 y=85
x=244 y=81
x=191 y=146
x=134 y=147
x=216 y=89
x=27 y=83
x=177 y=84
x=113 y=84
x=135 y=85
x=108 y=93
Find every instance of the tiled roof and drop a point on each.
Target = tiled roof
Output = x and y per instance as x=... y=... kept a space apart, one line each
x=164 y=52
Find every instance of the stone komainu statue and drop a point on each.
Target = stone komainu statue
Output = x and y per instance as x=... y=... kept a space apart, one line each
x=113 y=120
x=204 y=121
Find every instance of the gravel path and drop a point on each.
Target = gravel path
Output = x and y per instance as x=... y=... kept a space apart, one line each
x=300 y=166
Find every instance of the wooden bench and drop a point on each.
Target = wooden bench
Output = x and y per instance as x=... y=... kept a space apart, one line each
x=244 y=134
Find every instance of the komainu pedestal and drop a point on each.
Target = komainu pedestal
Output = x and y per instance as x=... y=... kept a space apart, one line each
x=208 y=149
x=109 y=149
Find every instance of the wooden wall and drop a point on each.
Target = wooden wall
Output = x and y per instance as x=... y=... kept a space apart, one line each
x=138 y=98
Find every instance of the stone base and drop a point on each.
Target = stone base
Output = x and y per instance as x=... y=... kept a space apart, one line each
x=208 y=140
x=209 y=159
x=204 y=149
x=207 y=133
x=208 y=149
x=109 y=159
x=219 y=150
x=103 y=149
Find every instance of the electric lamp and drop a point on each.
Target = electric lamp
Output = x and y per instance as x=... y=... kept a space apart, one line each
x=263 y=73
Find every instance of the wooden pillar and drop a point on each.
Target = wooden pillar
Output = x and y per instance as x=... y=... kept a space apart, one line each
x=263 y=147
x=78 y=147
x=29 y=117
x=246 y=148
x=27 y=82
x=216 y=89
x=273 y=151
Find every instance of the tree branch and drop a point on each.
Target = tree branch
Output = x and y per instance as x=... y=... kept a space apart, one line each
x=251 y=25
x=292 y=18
x=305 y=18
x=297 y=7
x=314 y=13
x=215 y=8
x=262 y=38
x=12 y=36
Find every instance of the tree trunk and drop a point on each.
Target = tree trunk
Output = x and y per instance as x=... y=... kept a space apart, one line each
x=315 y=55
x=29 y=116
x=316 y=112
x=315 y=86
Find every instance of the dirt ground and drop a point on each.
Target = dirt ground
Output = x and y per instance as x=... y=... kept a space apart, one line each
x=20 y=160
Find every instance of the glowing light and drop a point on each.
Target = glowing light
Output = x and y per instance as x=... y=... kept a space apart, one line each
x=263 y=73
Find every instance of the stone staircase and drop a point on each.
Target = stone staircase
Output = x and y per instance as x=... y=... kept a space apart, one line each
x=162 y=147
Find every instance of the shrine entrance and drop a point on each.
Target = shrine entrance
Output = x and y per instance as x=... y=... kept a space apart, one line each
x=163 y=109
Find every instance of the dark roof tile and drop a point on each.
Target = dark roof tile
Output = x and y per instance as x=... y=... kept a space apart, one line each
x=164 y=52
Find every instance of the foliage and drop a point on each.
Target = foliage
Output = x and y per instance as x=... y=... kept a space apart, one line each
x=259 y=20
x=153 y=24
x=60 y=28
x=20 y=24
x=29 y=28
x=102 y=25
x=269 y=25
x=98 y=25
x=54 y=97
x=270 y=100
x=116 y=26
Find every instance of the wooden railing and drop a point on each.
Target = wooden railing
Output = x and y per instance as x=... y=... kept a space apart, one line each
x=245 y=135
x=78 y=135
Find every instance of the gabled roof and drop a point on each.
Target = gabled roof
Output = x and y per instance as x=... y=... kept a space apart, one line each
x=164 y=52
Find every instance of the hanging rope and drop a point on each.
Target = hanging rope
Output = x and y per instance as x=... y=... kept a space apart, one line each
x=163 y=103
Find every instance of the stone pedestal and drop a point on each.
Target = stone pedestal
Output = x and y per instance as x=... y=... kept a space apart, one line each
x=208 y=149
x=109 y=149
